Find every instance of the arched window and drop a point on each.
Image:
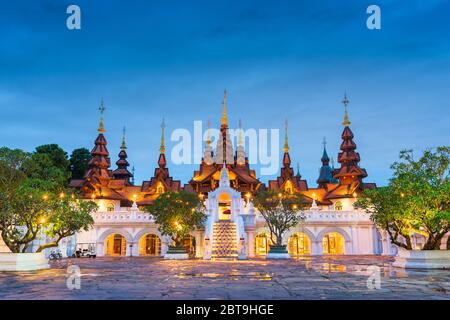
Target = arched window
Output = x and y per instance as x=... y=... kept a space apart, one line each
x=110 y=207
x=149 y=245
x=115 y=245
x=333 y=243
x=298 y=244
x=338 y=206
x=262 y=244
x=159 y=188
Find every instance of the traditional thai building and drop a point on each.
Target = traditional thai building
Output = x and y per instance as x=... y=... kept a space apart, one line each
x=234 y=228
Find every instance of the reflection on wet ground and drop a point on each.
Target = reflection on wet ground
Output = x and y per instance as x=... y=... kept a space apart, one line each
x=325 y=277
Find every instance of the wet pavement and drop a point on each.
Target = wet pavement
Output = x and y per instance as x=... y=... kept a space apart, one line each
x=348 y=277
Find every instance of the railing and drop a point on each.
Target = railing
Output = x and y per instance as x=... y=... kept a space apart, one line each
x=330 y=216
x=122 y=216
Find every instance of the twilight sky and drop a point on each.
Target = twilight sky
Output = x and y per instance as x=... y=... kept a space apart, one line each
x=277 y=59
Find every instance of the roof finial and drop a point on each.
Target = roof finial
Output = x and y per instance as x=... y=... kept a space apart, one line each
x=123 y=146
x=102 y=108
x=162 y=148
x=324 y=142
x=346 y=122
x=208 y=133
x=240 y=134
x=298 y=169
x=286 y=144
x=224 y=112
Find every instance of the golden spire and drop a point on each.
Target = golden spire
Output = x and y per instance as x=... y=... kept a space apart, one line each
x=123 y=145
x=240 y=134
x=162 y=148
x=224 y=112
x=208 y=133
x=286 y=144
x=346 y=122
x=102 y=108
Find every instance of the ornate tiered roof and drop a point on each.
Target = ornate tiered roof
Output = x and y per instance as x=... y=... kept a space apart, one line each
x=343 y=182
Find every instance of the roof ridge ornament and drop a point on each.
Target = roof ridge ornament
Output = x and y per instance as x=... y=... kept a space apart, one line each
x=286 y=142
x=101 y=128
x=346 y=102
x=224 y=111
x=162 y=148
x=123 y=146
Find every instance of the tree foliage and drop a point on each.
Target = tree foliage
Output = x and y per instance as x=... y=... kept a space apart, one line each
x=177 y=214
x=31 y=189
x=416 y=201
x=79 y=162
x=281 y=211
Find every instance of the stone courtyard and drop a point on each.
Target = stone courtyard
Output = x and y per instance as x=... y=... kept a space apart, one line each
x=316 y=278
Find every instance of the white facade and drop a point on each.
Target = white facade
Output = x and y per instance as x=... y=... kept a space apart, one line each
x=351 y=229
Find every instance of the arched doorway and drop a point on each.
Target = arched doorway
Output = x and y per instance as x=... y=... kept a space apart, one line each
x=115 y=245
x=333 y=243
x=224 y=206
x=189 y=244
x=299 y=244
x=262 y=244
x=149 y=245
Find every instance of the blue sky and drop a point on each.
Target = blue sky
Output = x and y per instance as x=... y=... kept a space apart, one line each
x=278 y=60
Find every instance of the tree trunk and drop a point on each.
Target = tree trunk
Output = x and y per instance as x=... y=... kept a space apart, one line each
x=433 y=243
x=47 y=245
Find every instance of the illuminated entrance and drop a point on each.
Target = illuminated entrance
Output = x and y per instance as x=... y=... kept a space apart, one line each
x=299 y=244
x=262 y=244
x=333 y=243
x=224 y=207
x=150 y=245
x=189 y=244
x=115 y=245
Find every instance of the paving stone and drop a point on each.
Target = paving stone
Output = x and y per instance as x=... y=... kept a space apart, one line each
x=149 y=278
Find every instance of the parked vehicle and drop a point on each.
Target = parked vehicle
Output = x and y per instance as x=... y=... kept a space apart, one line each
x=85 y=250
x=55 y=255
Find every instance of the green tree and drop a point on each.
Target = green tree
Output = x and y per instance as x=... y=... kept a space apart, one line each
x=79 y=162
x=68 y=216
x=281 y=211
x=177 y=214
x=12 y=168
x=417 y=199
x=22 y=215
x=57 y=155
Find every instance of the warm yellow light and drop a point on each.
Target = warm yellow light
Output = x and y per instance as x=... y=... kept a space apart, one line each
x=280 y=195
x=193 y=209
x=294 y=207
x=42 y=220
x=402 y=195
x=248 y=195
x=314 y=196
x=355 y=194
x=93 y=196
x=62 y=195
x=134 y=197
x=45 y=197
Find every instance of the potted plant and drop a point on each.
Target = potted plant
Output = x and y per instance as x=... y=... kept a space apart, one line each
x=415 y=202
x=177 y=214
x=281 y=211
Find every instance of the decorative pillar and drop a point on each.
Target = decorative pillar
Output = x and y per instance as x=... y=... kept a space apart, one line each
x=251 y=243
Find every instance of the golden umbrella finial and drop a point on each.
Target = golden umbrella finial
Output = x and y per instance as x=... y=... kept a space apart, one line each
x=286 y=143
x=102 y=109
x=162 y=148
x=346 y=122
x=224 y=111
